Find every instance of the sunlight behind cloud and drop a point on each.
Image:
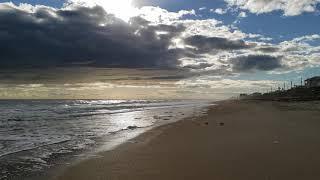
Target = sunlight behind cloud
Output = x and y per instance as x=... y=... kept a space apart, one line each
x=120 y=8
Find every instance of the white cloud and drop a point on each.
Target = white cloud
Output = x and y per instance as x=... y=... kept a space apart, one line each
x=24 y=7
x=289 y=7
x=202 y=8
x=307 y=38
x=219 y=11
x=121 y=8
x=211 y=28
x=159 y=15
x=124 y=9
x=298 y=53
x=242 y=14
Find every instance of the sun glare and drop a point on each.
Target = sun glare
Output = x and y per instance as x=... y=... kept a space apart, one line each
x=122 y=9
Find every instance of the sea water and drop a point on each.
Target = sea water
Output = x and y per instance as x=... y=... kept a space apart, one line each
x=34 y=133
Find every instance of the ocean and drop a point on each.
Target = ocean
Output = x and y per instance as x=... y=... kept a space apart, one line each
x=36 y=135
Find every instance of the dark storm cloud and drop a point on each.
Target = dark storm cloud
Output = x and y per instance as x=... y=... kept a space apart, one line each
x=256 y=62
x=198 y=66
x=176 y=77
x=268 y=49
x=83 y=36
x=208 y=44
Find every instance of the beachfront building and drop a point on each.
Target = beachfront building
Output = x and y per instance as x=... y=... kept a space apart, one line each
x=312 y=82
x=256 y=94
x=243 y=95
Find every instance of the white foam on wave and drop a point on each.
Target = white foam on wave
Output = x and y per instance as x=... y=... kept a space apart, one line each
x=20 y=146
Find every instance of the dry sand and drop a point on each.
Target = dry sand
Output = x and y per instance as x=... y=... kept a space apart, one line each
x=235 y=141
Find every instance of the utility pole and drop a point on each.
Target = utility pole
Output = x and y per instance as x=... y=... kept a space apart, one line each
x=291 y=84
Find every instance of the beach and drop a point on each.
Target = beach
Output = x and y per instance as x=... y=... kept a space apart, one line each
x=40 y=135
x=236 y=140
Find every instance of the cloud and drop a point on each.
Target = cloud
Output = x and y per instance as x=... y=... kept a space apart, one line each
x=307 y=38
x=205 y=44
x=219 y=11
x=159 y=15
x=218 y=83
x=268 y=49
x=256 y=62
x=289 y=7
x=242 y=15
x=198 y=66
x=42 y=36
x=120 y=8
x=210 y=28
x=90 y=36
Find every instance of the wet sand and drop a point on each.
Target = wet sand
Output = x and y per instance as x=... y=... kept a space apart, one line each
x=235 y=141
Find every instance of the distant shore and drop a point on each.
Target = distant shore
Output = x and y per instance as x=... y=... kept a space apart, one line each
x=236 y=140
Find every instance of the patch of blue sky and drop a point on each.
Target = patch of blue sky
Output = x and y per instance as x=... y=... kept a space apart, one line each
x=51 y=3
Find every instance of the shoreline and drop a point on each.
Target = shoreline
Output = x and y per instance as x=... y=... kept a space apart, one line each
x=114 y=139
x=228 y=143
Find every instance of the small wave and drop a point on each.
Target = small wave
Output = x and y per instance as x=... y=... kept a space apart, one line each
x=111 y=102
x=103 y=113
x=15 y=119
x=133 y=127
x=31 y=148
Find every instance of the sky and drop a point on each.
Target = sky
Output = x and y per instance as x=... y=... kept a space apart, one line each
x=151 y=49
